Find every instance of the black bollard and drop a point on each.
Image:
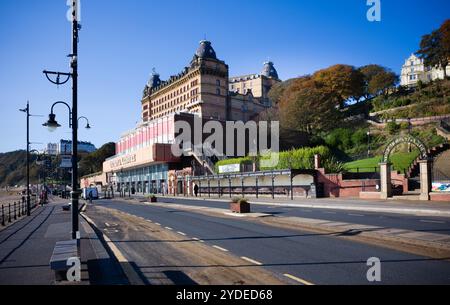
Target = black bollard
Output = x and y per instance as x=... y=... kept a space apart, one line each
x=9 y=212
x=19 y=209
x=3 y=216
x=15 y=214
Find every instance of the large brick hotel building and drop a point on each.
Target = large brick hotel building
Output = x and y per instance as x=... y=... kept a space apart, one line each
x=143 y=159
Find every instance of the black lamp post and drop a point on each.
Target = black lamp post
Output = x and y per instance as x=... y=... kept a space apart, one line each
x=74 y=113
x=52 y=125
x=27 y=111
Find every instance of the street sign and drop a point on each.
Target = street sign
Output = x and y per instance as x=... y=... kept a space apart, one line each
x=66 y=162
x=230 y=168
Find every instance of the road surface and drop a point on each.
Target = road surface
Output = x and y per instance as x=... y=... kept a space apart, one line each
x=292 y=256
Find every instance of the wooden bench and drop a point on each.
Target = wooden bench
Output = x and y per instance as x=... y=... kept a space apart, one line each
x=61 y=253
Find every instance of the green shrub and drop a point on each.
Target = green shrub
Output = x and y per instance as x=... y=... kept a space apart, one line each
x=240 y=200
x=359 y=137
x=302 y=158
x=340 y=138
x=404 y=126
x=392 y=128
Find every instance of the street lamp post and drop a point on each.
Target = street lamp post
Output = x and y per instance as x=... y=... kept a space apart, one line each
x=27 y=111
x=74 y=115
x=52 y=124
x=368 y=144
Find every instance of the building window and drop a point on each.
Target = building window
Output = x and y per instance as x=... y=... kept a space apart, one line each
x=218 y=82
x=218 y=91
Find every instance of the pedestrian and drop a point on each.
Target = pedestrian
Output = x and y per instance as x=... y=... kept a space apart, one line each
x=90 y=197
x=196 y=190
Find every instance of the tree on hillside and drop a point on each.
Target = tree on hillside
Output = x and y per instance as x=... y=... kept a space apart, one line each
x=381 y=82
x=342 y=82
x=278 y=89
x=435 y=48
x=377 y=80
x=306 y=106
x=93 y=162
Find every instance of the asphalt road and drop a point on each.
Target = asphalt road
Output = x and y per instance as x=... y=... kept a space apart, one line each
x=315 y=258
x=439 y=225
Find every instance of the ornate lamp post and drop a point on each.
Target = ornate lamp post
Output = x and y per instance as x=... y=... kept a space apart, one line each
x=27 y=111
x=52 y=125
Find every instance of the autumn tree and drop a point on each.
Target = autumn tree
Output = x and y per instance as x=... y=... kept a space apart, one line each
x=341 y=82
x=277 y=90
x=377 y=80
x=435 y=48
x=307 y=106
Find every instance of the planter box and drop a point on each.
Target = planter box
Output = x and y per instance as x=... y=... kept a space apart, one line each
x=153 y=199
x=240 y=208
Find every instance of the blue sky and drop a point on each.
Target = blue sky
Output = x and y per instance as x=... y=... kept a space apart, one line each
x=122 y=40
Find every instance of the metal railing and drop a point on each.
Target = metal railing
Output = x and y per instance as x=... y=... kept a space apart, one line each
x=13 y=211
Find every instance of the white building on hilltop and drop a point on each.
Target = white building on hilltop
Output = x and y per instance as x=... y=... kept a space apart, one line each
x=414 y=70
x=52 y=149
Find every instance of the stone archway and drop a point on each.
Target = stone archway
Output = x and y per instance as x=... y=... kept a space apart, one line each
x=385 y=167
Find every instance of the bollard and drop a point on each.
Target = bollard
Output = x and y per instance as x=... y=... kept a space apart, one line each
x=9 y=212
x=3 y=216
x=15 y=214
x=19 y=209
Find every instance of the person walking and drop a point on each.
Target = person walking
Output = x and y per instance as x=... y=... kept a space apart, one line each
x=196 y=190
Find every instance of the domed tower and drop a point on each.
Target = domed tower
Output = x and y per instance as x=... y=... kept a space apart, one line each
x=269 y=70
x=210 y=84
x=152 y=83
x=205 y=50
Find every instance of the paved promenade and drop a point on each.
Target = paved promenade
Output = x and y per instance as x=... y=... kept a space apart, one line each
x=27 y=245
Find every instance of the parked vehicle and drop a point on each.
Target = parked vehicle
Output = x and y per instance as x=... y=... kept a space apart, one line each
x=90 y=193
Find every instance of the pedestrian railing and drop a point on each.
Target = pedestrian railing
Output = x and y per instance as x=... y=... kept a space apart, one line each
x=15 y=210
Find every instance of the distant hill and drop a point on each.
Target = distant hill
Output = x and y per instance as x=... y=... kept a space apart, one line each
x=13 y=166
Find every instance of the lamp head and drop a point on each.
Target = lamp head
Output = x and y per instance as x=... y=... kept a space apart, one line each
x=51 y=124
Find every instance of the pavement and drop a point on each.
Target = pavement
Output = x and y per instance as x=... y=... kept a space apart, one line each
x=291 y=255
x=27 y=245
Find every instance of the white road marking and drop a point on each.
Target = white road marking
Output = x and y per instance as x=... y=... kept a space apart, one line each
x=107 y=224
x=432 y=221
x=169 y=228
x=149 y=220
x=251 y=260
x=198 y=239
x=184 y=234
x=220 y=248
x=158 y=224
x=297 y=279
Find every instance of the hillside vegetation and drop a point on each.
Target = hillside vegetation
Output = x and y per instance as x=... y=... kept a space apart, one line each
x=13 y=168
